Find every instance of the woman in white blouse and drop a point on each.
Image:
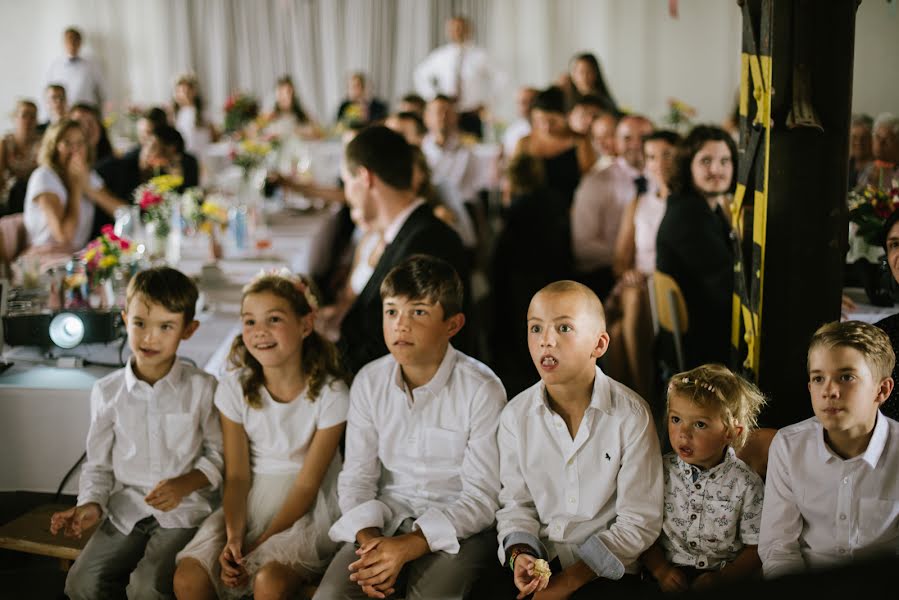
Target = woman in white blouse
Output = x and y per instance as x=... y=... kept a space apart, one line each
x=189 y=117
x=63 y=193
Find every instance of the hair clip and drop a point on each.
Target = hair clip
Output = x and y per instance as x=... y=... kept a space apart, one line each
x=704 y=385
x=297 y=282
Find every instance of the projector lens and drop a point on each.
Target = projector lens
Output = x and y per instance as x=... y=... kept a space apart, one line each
x=66 y=330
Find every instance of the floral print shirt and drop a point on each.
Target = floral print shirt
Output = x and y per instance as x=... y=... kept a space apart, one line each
x=710 y=515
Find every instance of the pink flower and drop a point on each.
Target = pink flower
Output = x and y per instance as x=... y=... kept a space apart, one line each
x=148 y=199
x=124 y=244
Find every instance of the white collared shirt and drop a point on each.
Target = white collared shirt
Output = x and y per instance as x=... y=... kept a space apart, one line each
x=81 y=78
x=428 y=454
x=597 y=497
x=453 y=165
x=821 y=509
x=437 y=74
x=393 y=229
x=141 y=434
x=710 y=515
x=599 y=205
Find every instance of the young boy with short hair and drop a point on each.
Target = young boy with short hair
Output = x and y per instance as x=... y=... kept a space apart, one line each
x=154 y=451
x=580 y=464
x=832 y=494
x=420 y=480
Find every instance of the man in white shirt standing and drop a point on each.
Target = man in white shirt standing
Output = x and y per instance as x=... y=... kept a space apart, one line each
x=580 y=465
x=81 y=77
x=600 y=202
x=419 y=485
x=832 y=495
x=459 y=70
x=521 y=126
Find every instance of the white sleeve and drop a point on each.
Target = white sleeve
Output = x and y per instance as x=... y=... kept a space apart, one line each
x=97 y=477
x=333 y=403
x=44 y=181
x=229 y=399
x=423 y=75
x=781 y=517
x=211 y=462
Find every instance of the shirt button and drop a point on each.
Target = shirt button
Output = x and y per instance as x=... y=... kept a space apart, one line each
x=692 y=544
x=842 y=517
x=698 y=486
x=701 y=563
x=692 y=517
x=711 y=476
x=845 y=480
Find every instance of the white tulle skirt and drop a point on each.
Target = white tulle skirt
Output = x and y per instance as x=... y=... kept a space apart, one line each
x=305 y=547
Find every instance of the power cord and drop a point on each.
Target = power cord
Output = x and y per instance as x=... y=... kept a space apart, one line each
x=62 y=483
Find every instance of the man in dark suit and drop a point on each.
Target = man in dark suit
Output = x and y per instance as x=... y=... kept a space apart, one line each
x=377 y=175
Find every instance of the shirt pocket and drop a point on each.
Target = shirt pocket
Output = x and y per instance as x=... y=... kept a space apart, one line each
x=179 y=433
x=444 y=446
x=878 y=521
x=721 y=521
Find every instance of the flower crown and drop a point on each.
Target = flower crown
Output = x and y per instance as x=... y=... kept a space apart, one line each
x=699 y=383
x=296 y=281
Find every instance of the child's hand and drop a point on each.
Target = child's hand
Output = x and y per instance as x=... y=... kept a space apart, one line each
x=379 y=565
x=167 y=494
x=524 y=577
x=233 y=573
x=76 y=520
x=672 y=579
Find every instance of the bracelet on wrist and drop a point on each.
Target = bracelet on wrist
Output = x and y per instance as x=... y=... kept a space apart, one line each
x=515 y=554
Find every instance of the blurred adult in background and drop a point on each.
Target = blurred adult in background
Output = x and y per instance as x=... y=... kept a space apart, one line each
x=602 y=134
x=521 y=126
x=18 y=156
x=189 y=116
x=565 y=155
x=412 y=103
x=288 y=117
x=461 y=71
x=600 y=203
x=861 y=152
x=884 y=169
x=586 y=79
x=81 y=77
x=694 y=244
x=148 y=121
x=55 y=104
x=89 y=118
x=359 y=106
x=63 y=192
x=409 y=124
x=586 y=109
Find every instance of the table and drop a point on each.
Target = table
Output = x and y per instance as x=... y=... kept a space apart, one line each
x=863 y=310
x=45 y=409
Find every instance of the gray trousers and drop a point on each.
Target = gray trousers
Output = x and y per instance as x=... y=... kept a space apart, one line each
x=140 y=565
x=435 y=576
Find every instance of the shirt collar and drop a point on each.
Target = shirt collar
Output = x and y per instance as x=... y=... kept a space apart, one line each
x=600 y=399
x=872 y=453
x=687 y=469
x=453 y=141
x=438 y=381
x=172 y=378
x=396 y=225
x=627 y=168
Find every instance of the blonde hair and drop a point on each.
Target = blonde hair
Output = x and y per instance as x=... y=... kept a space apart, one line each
x=567 y=286
x=319 y=361
x=48 y=155
x=717 y=387
x=872 y=342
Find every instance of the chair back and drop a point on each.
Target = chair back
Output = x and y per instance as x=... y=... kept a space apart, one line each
x=671 y=311
x=12 y=239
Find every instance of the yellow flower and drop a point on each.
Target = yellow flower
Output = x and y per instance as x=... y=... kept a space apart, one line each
x=90 y=255
x=166 y=183
x=108 y=261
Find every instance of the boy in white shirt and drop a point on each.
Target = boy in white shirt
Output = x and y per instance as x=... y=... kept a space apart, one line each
x=154 y=451
x=419 y=486
x=832 y=494
x=580 y=465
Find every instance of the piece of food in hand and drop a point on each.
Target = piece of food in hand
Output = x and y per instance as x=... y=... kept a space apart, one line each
x=541 y=569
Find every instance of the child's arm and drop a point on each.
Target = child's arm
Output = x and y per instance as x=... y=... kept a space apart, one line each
x=168 y=493
x=670 y=578
x=638 y=503
x=97 y=476
x=357 y=484
x=781 y=518
x=745 y=566
x=234 y=498
x=475 y=508
x=305 y=489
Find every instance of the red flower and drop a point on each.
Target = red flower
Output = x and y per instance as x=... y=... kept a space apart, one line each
x=123 y=244
x=229 y=103
x=148 y=199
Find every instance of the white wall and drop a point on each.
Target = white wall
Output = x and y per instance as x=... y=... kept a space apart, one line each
x=647 y=56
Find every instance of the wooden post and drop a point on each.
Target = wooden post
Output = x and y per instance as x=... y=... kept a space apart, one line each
x=797 y=239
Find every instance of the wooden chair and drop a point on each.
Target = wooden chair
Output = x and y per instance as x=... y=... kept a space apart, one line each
x=755 y=452
x=671 y=312
x=31 y=533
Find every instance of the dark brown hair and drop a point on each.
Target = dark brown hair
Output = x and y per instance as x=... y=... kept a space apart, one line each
x=319 y=361
x=425 y=277
x=385 y=153
x=171 y=288
x=682 y=181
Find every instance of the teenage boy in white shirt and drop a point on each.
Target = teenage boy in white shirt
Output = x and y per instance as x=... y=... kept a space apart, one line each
x=832 y=495
x=580 y=465
x=420 y=481
x=154 y=451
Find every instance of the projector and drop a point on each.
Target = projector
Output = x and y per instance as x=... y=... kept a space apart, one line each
x=63 y=329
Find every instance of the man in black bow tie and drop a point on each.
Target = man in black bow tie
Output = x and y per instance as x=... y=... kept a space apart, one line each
x=80 y=76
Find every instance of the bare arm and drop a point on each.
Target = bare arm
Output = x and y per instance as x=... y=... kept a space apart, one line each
x=104 y=200
x=746 y=564
x=586 y=156
x=61 y=220
x=237 y=478
x=625 y=245
x=305 y=489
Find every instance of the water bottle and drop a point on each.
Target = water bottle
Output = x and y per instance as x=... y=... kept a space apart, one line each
x=237 y=217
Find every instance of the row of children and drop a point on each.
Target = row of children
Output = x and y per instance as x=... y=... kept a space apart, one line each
x=565 y=483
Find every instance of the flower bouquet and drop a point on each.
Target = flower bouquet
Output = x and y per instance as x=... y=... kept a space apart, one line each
x=869 y=208
x=680 y=115
x=205 y=214
x=240 y=109
x=155 y=201
x=102 y=258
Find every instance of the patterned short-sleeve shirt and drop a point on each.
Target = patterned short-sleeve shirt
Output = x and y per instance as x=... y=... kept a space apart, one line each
x=710 y=515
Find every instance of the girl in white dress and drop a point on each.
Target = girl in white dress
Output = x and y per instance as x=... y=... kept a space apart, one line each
x=283 y=412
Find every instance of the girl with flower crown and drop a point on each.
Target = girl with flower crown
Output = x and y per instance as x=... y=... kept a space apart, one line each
x=283 y=411
x=713 y=500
